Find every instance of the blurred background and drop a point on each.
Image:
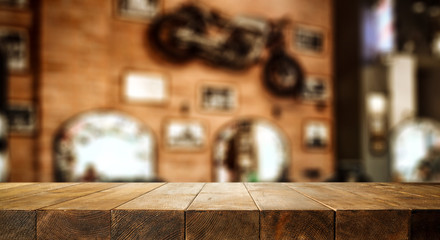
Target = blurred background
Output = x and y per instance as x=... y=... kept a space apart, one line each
x=249 y=90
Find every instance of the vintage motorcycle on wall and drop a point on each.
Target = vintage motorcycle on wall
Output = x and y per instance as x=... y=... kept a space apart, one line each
x=194 y=32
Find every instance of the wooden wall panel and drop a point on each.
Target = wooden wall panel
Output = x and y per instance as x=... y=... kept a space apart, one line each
x=74 y=64
x=21 y=89
x=85 y=49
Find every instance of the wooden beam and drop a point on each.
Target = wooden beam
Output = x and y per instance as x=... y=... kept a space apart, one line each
x=287 y=214
x=87 y=216
x=222 y=209
x=159 y=214
x=18 y=216
x=359 y=216
x=423 y=200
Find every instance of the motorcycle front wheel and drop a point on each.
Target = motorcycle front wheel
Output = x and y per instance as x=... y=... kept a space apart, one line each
x=163 y=35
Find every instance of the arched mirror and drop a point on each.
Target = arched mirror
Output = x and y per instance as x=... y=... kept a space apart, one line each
x=250 y=150
x=416 y=151
x=104 y=146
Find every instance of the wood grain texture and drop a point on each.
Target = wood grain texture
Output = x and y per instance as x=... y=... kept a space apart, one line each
x=407 y=196
x=425 y=224
x=12 y=185
x=148 y=224
x=88 y=216
x=359 y=216
x=17 y=214
x=73 y=224
x=158 y=214
x=222 y=211
x=372 y=224
x=422 y=199
x=287 y=214
x=52 y=197
x=415 y=189
x=16 y=224
x=26 y=190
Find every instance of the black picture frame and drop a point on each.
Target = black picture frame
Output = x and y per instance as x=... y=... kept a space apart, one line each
x=182 y=134
x=315 y=89
x=216 y=97
x=308 y=39
x=14 y=42
x=21 y=118
x=316 y=135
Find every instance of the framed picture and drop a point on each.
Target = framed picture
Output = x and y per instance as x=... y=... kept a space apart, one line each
x=14 y=3
x=217 y=97
x=309 y=39
x=15 y=44
x=137 y=10
x=145 y=87
x=315 y=89
x=316 y=135
x=21 y=118
x=184 y=134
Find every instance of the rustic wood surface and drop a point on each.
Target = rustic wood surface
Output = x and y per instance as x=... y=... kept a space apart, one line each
x=219 y=211
x=18 y=212
x=222 y=211
x=87 y=216
x=159 y=214
x=358 y=214
x=287 y=214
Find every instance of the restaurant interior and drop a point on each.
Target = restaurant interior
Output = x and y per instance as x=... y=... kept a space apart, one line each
x=219 y=91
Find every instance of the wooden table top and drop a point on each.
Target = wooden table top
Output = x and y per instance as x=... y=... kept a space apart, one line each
x=219 y=211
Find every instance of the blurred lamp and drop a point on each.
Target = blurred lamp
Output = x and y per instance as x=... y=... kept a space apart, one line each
x=377 y=122
x=436 y=44
x=376 y=103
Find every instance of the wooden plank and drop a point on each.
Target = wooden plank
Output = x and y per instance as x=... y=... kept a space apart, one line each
x=18 y=216
x=403 y=196
x=29 y=189
x=287 y=214
x=422 y=199
x=421 y=189
x=17 y=224
x=425 y=224
x=224 y=210
x=88 y=216
x=359 y=216
x=159 y=214
x=52 y=197
x=12 y=185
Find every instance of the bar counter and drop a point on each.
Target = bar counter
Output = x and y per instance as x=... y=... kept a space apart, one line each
x=219 y=211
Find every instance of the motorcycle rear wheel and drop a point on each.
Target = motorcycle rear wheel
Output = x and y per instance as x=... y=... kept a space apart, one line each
x=282 y=75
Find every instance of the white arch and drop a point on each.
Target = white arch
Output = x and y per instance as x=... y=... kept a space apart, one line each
x=104 y=145
x=271 y=153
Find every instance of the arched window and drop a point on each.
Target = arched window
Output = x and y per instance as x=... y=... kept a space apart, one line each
x=415 y=154
x=250 y=150
x=104 y=146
